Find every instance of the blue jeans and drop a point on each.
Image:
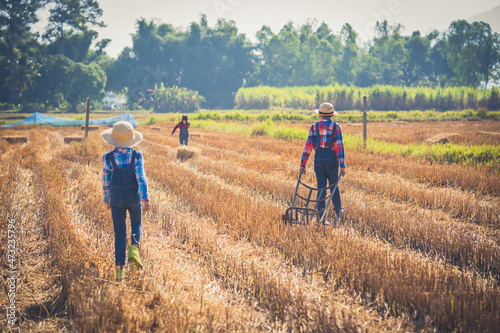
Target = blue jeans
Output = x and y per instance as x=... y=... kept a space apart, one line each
x=326 y=167
x=120 y=203
x=184 y=138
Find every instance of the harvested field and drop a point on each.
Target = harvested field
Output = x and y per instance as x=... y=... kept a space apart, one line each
x=465 y=132
x=417 y=251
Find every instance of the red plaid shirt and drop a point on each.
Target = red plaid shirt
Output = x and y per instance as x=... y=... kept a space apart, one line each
x=325 y=131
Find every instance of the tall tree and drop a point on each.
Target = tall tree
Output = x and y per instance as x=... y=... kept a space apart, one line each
x=417 y=66
x=472 y=51
x=53 y=83
x=345 y=71
x=84 y=81
x=212 y=61
x=388 y=48
x=16 y=16
x=72 y=16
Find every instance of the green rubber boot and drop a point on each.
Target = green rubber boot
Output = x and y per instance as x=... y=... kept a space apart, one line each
x=119 y=274
x=133 y=257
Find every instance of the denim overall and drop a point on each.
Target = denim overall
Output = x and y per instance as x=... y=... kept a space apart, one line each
x=184 y=135
x=326 y=167
x=124 y=196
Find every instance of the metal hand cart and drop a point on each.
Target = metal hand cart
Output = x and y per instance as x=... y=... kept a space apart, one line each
x=304 y=215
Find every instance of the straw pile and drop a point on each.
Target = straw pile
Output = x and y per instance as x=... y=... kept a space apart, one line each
x=488 y=133
x=70 y=139
x=15 y=139
x=91 y=127
x=442 y=138
x=185 y=153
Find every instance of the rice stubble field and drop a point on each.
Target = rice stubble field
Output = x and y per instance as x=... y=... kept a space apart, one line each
x=418 y=249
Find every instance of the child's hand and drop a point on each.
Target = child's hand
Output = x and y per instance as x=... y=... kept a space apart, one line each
x=303 y=170
x=108 y=206
x=145 y=205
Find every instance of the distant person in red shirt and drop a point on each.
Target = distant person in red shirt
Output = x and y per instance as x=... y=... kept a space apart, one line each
x=184 y=130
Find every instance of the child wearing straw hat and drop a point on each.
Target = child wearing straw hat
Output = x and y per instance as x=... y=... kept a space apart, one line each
x=124 y=185
x=325 y=137
x=184 y=130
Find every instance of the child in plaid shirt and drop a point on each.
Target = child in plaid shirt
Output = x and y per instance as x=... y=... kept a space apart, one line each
x=124 y=186
x=326 y=138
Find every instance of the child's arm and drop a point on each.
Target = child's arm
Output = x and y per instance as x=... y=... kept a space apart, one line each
x=140 y=175
x=338 y=146
x=106 y=181
x=307 y=149
x=176 y=127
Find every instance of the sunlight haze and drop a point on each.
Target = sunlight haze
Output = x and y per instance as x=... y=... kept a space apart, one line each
x=251 y=15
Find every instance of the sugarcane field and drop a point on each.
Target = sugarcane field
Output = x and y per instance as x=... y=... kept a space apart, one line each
x=416 y=250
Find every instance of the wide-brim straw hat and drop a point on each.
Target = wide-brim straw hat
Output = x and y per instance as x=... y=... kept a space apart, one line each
x=122 y=135
x=326 y=110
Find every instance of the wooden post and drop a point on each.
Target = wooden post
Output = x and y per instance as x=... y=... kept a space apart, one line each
x=87 y=118
x=364 y=122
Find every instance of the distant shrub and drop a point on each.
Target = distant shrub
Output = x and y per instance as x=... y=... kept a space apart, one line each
x=174 y=99
x=482 y=113
x=392 y=115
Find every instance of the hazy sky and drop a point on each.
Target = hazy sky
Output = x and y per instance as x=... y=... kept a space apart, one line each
x=250 y=15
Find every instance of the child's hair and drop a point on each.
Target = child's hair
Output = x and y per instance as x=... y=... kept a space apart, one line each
x=184 y=117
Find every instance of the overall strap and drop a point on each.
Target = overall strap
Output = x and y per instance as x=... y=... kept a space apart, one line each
x=333 y=136
x=132 y=161
x=111 y=158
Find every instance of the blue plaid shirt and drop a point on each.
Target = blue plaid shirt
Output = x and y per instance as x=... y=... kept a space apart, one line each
x=123 y=157
x=325 y=130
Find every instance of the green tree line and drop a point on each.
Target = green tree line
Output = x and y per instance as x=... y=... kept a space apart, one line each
x=67 y=62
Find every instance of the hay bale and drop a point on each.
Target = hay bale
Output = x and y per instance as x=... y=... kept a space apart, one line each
x=15 y=139
x=441 y=139
x=156 y=128
x=70 y=139
x=185 y=153
x=91 y=127
x=488 y=133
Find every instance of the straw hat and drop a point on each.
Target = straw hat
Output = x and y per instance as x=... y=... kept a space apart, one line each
x=326 y=110
x=122 y=135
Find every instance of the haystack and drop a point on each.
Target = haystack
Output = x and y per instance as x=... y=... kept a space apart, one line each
x=185 y=153
x=488 y=133
x=15 y=139
x=91 y=127
x=441 y=138
x=70 y=139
